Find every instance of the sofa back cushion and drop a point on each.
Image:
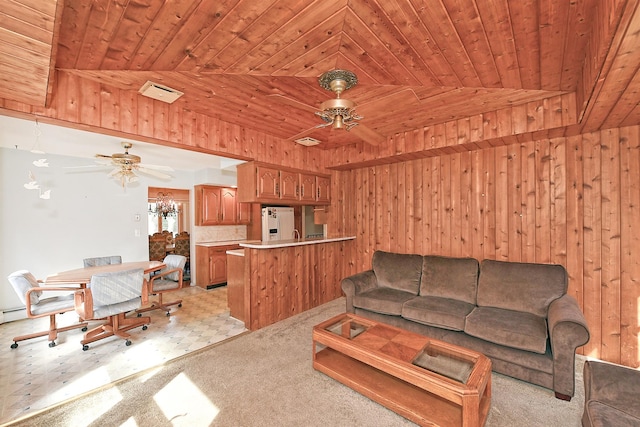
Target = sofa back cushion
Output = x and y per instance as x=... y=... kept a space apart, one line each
x=525 y=287
x=398 y=271
x=446 y=277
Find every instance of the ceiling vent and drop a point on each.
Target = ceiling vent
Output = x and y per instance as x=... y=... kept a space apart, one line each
x=307 y=141
x=160 y=92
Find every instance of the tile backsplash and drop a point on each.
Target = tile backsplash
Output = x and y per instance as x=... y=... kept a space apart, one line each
x=219 y=233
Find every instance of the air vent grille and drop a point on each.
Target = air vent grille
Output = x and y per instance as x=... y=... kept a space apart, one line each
x=308 y=141
x=160 y=92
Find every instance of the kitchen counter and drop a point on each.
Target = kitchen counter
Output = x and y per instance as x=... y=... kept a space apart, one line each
x=222 y=243
x=257 y=244
x=236 y=252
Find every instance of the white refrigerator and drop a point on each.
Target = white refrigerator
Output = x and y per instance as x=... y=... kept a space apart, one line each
x=277 y=224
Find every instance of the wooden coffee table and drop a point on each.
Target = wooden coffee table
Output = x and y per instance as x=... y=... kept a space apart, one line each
x=430 y=382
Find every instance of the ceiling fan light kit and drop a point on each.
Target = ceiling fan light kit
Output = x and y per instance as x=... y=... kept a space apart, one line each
x=126 y=165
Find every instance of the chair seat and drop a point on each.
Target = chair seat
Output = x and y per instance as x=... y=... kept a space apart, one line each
x=113 y=309
x=163 y=285
x=59 y=304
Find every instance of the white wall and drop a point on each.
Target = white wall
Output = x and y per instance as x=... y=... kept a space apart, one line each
x=87 y=215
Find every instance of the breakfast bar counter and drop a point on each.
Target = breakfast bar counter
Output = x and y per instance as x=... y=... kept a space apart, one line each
x=280 y=279
x=258 y=244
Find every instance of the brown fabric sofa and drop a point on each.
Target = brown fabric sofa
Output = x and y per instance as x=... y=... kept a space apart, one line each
x=611 y=395
x=518 y=314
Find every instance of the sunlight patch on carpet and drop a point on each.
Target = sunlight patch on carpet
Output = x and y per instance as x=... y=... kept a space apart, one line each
x=182 y=403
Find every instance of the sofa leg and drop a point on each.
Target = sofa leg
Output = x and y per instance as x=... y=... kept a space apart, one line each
x=563 y=396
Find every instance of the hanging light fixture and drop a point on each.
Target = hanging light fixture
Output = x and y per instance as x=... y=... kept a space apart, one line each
x=165 y=205
x=339 y=113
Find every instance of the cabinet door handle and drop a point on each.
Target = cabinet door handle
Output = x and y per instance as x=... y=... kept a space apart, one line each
x=277 y=189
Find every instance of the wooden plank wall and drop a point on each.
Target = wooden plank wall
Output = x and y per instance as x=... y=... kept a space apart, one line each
x=573 y=200
x=287 y=281
x=545 y=118
x=86 y=104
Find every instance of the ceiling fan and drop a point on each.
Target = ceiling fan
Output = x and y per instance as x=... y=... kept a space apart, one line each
x=339 y=113
x=126 y=166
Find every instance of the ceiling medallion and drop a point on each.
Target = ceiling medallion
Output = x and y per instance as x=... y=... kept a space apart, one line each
x=344 y=78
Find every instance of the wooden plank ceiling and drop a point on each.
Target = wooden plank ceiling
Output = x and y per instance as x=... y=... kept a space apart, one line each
x=257 y=63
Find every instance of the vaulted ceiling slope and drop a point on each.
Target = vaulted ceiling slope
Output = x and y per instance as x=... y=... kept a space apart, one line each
x=256 y=63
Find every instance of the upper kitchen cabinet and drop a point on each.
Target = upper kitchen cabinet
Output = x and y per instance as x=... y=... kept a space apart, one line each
x=323 y=190
x=219 y=206
x=263 y=183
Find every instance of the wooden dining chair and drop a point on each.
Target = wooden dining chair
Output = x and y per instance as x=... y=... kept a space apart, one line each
x=183 y=247
x=110 y=296
x=157 y=247
x=169 y=279
x=31 y=295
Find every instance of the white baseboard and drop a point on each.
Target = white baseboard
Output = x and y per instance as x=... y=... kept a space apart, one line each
x=10 y=316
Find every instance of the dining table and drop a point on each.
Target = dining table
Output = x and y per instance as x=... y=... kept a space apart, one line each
x=82 y=276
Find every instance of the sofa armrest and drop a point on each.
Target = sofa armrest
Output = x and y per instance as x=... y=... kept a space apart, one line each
x=614 y=385
x=568 y=330
x=356 y=284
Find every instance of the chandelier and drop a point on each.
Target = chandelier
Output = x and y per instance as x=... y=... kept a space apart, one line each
x=165 y=205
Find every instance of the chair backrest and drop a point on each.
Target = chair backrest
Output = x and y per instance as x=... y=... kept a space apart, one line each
x=22 y=281
x=102 y=260
x=116 y=286
x=182 y=244
x=172 y=262
x=168 y=236
x=157 y=248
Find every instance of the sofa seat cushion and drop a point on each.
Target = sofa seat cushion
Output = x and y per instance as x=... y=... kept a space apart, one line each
x=600 y=414
x=520 y=330
x=382 y=300
x=435 y=311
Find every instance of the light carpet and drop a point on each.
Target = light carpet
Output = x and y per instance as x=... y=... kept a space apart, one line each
x=266 y=378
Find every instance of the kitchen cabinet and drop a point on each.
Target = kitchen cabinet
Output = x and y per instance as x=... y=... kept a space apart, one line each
x=244 y=213
x=219 y=206
x=264 y=183
x=308 y=187
x=228 y=206
x=211 y=265
x=323 y=190
x=237 y=292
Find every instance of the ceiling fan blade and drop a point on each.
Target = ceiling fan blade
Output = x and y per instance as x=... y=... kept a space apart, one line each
x=303 y=133
x=156 y=167
x=85 y=166
x=154 y=173
x=115 y=172
x=292 y=102
x=368 y=135
x=103 y=156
